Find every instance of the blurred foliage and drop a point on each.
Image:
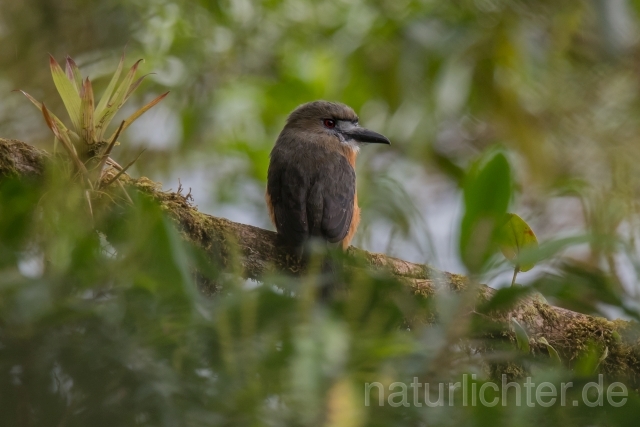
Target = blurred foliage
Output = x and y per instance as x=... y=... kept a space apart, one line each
x=487 y=193
x=108 y=328
x=515 y=237
x=101 y=323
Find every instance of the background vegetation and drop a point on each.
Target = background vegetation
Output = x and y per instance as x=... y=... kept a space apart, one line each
x=109 y=329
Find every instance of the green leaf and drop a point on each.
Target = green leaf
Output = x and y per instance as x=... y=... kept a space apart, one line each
x=550 y=248
x=553 y=354
x=487 y=192
x=106 y=96
x=605 y=354
x=521 y=336
x=68 y=93
x=588 y=362
x=116 y=102
x=73 y=73
x=515 y=236
x=66 y=141
x=88 y=132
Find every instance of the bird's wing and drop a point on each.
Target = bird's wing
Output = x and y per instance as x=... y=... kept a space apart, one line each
x=287 y=188
x=311 y=199
x=338 y=194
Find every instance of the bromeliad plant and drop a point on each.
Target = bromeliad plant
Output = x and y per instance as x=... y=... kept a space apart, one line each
x=85 y=141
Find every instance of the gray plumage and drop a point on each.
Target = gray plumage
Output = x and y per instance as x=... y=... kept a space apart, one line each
x=311 y=184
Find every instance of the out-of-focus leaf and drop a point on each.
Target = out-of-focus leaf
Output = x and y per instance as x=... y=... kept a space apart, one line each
x=344 y=408
x=505 y=298
x=514 y=236
x=588 y=361
x=448 y=166
x=552 y=247
x=553 y=354
x=522 y=338
x=487 y=192
x=605 y=354
x=584 y=288
x=18 y=201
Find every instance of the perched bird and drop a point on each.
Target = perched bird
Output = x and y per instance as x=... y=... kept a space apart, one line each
x=311 y=184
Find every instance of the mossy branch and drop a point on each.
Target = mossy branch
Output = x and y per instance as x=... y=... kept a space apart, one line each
x=568 y=332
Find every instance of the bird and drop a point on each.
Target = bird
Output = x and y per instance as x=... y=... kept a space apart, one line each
x=311 y=180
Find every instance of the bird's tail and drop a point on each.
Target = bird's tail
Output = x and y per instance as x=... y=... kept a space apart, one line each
x=321 y=257
x=331 y=278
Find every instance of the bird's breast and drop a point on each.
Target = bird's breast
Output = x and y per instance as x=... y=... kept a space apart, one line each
x=350 y=154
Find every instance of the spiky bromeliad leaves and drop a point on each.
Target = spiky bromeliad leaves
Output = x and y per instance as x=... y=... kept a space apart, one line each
x=85 y=141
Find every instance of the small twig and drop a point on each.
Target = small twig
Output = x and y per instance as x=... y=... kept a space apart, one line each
x=106 y=184
x=113 y=164
x=125 y=192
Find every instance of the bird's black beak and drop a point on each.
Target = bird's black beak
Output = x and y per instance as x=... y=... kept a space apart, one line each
x=365 y=135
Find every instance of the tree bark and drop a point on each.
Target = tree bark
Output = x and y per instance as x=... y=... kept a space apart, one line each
x=253 y=253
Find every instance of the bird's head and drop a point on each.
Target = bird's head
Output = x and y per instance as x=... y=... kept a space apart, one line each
x=321 y=119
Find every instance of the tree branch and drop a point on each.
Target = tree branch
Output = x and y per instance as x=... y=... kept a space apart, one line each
x=568 y=332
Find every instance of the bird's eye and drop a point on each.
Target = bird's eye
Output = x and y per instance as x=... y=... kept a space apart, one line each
x=330 y=124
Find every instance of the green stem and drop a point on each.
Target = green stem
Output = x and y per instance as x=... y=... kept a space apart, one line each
x=516 y=270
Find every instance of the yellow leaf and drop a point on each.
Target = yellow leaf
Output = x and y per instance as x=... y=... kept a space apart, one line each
x=115 y=103
x=66 y=142
x=112 y=85
x=344 y=408
x=514 y=236
x=73 y=73
x=68 y=93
